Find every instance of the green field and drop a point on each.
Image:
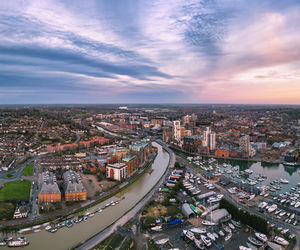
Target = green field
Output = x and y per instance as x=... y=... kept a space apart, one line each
x=28 y=170
x=15 y=190
x=9 y=176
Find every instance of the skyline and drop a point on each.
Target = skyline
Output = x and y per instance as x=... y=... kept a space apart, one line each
x=226 y=52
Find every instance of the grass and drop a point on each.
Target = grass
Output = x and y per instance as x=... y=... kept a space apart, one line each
x=128 y=243
x=112 y=242
x=28 y=170
x=7 y=210
x=15 y=190
x=9 y=176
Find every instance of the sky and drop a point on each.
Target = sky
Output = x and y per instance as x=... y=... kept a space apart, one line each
x=158 y=51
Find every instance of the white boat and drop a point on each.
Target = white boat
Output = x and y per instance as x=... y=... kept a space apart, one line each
x=161 y=241
x=48 y=227
x=221 y=233
x=208 y=223
x=262 y=205
x=244 y=248
x=282 y=213
x=251 y=197
x=211 y=236
x=272 y=208
x=284 y=181
x=292 y=216
x=255 y=242
x=231 y=226
x=17 y=243
x=297 y=204
x=261 y=237
x=228 y=237
x=206 y=240
x=157 y=228
x=198 y=230
x=199 y=244
x=281 y=241
x=189 y=234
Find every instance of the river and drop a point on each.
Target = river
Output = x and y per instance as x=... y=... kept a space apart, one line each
x=271 y=170
x=66 y=238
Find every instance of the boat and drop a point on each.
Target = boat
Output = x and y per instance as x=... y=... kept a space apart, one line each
x=284 y=181
x=161 y=241
x=272 y=208
x=227 y=229
x=208 y=223
x=211 y=236
x=199 y=244
x=251 y=246
x=17 y=243
x=262 y=205
x=221 y=233
x=251 y=197
x=228 y=237
x=292 y=216
x=189 y=234
x=198 y=230
x=2 y=243
x=231 y=226
x=53 y=230
x=244 y=248
x=274 y=246
x=48 y=227
x=261 y=237
x=281 y=241
x=70 y=224
x=254 y=241
x=206 y=240
x=282 y=213
x=278 y=211
x=156 y=228
x=297 y=204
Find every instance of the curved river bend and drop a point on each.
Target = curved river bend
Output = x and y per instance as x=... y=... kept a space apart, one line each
x=66 y=238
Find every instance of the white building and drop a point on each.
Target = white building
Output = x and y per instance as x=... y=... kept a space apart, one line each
x=117 y=171
x=245 y=143
x=176 y=130
x=212 y=141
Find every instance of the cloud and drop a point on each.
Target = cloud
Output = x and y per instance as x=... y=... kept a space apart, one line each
x=149 y=51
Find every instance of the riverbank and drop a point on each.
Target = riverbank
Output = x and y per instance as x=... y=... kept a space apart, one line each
x=99 y=237
x=77 y=208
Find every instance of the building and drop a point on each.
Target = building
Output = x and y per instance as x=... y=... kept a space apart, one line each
x=191 y=143
x=167 y=134
x=221 y=152
x=212 y=141
x=49 y=190
x=132 y=163
x=245 y=143
x=142 y=149
x=186 y=210
x=206 y=133
x=176 y=130
x=219 y=216
x=74 y=189
x=186 y=119
x=117 y=171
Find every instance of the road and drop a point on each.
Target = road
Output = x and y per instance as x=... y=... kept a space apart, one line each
x=132 y=213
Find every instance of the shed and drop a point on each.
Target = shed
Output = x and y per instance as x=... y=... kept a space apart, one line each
x=186 y=210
